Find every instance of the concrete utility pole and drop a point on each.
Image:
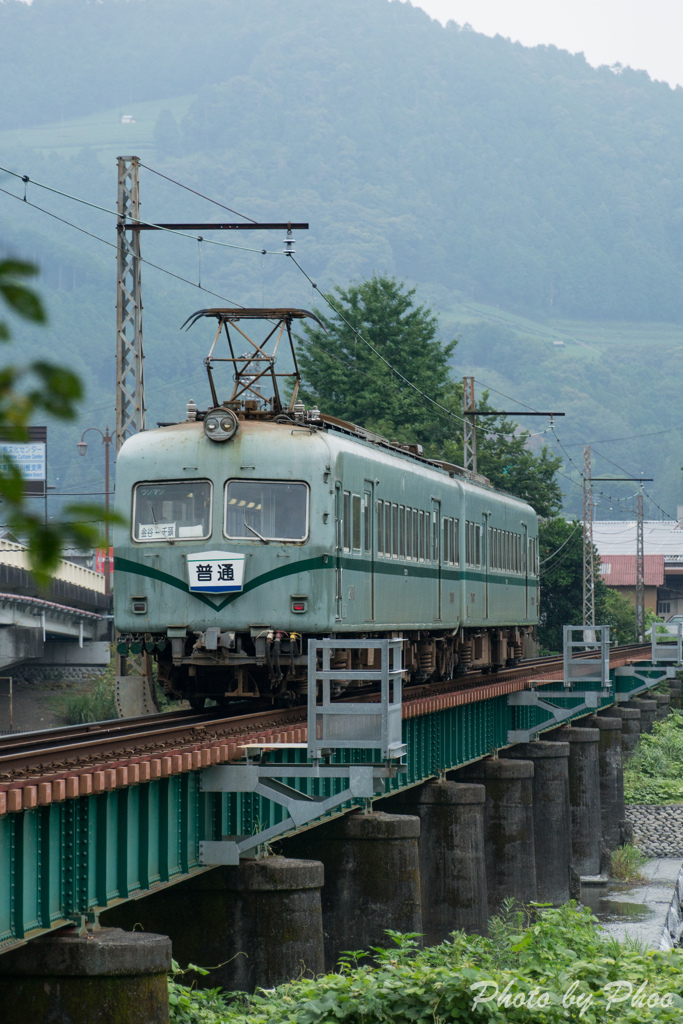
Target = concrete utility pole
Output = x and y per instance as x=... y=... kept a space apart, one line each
x=640 y=570
x=130 y=387
x=588 y=550
x=469 y=425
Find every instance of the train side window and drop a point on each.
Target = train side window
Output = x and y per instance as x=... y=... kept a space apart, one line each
x=169 y=510
x=446 y=540
x=401 y=531
x=347 y=521
x=387 y=529
x=427 y=537
x=380 y=528
x=478 y=545
x=467 y=542
x=356 y=522
x=456 y=542
x=409 y=534
x=367 y=521
x=395 y=529
x=420 y=536
x=435 y=536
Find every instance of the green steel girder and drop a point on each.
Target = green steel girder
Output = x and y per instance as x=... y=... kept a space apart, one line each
x=85 y=854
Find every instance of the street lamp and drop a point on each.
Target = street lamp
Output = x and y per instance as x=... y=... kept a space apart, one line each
x=82 y=446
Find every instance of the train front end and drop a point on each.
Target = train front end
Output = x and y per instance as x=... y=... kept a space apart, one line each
x=223 y=564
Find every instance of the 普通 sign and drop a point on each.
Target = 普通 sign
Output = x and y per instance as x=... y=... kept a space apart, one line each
x=215 y=572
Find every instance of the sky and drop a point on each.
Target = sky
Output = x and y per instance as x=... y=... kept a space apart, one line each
x=643 y=34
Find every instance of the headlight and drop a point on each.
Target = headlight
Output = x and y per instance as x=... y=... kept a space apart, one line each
x=221 y=424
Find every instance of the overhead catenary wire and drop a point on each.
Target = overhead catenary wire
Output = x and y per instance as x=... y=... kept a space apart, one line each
x=112 y=245
x=138 y=220
x=200 y=194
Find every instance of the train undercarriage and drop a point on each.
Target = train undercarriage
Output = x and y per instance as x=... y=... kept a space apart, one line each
x=271 y=665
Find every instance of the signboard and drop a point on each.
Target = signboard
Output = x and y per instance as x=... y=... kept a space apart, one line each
x=31 y=459
x=215 y=572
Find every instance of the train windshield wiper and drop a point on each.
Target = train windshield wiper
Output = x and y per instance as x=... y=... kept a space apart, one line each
x=255 y=532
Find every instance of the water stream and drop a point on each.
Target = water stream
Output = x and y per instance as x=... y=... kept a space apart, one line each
x=639 y=910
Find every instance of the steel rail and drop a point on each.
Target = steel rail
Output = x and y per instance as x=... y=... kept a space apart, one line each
x=52 y=751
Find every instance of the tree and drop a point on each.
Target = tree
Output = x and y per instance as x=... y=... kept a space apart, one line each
x=379 y=343
x=45 y=388
x=348 y=379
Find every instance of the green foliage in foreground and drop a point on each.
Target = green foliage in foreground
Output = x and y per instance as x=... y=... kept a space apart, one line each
x=654 y=772
x=554 y=967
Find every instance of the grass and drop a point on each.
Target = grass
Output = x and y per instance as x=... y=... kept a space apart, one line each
x=627 y=862
x=654 y=772
x=95 y=700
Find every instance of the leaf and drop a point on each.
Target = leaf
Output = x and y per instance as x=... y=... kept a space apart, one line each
x=23 y=301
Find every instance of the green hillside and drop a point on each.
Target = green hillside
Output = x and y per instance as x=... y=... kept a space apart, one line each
x=531 y=198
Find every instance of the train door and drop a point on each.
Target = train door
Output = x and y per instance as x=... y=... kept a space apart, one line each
x=369 y=543
x=338 y=552
x=524 y=566
x=436 y=555
x=485 y=559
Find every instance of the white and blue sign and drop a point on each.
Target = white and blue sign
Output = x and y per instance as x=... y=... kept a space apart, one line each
x=30 y=459
x=215 y=572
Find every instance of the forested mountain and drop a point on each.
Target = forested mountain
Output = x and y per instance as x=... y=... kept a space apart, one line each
x=498 y=178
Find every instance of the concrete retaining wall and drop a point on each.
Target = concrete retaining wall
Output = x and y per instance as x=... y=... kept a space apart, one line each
x=657 y=828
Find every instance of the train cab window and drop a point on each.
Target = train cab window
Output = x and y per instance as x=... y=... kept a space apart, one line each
x=357 y=523
x=172 y=511
x=266 y=509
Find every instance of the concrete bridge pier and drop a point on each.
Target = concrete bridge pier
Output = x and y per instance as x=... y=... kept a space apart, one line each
x=256 y=925
x=552 y=818
x=663 y=704
x=106 y=976
x=648 y=711
x=612 y=807
x=675 y=693
x=372 y=878
x=630 y=727
x=508 y=828
x=584 y=797
x=451 y=852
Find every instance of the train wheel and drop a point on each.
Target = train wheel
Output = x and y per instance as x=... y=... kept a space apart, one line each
x=197 y=703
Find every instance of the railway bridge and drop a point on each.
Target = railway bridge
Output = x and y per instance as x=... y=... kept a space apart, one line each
x=417 y=811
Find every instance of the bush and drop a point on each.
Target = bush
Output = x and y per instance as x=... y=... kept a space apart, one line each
x=547 y=965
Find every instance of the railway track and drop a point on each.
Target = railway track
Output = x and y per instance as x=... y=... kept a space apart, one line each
x=123 y=751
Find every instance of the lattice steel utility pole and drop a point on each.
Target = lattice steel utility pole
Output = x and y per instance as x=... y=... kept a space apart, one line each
x=469 y=425
x=588 y=550
x=640 y=570
x=130 y=387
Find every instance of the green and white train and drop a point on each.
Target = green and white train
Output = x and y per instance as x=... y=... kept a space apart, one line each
x=249 y=533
